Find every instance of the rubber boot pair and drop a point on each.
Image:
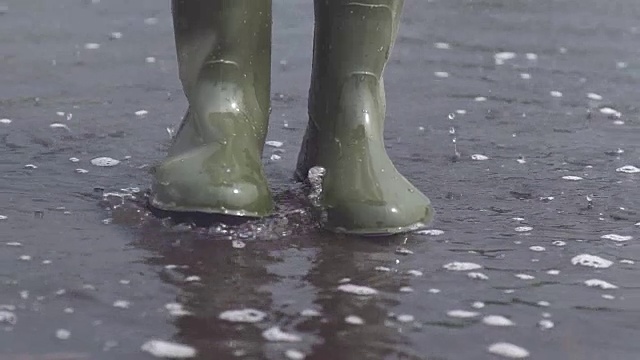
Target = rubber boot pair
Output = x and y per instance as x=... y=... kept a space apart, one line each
x=224 y=56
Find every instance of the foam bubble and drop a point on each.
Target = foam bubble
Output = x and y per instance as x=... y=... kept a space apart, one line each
x=122 y=304
x=497 y=320
x=63 y=334
x=5 y=121
x=461 y=266
x=441 y=74
x=405 y=318
x=477 y=276
x=537 y=248
x=166 y=349
x=523 y=229
x=354 y=320
x=594 y=96
x=277 y=335
x=479 y=157
x=243 y=315
x=92 y=46
x=555 y=93
x=525 y=276
x=104 y=161
x=572 y=178
x=545 y=324
x=600 y=283
x=294 y=354
x=616 y=237
x=432 y=232
x=442 y=45
x=357 y=289
x=591 y=261
x=274 y=143
x=141 y=113
x=629 y=169
x=8 y=317
x=508 y=350
x=462 y=314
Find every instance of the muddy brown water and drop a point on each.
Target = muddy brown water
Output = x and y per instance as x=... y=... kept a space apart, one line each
x=82 y=277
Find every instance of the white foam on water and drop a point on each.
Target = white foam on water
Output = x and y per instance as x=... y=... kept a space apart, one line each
x=501 y=57
x=559 y=243
x=104 y=161
x=616 y=237
x=243 y=315
x=405 y=318
x=310 y=313
x=555 y=93
x=3 y=217
x=354 y=320
x=344 y=280
x=276 y=334
x=25 y=257
x=30 y=166
x=63 y=334
x=461 y=111
x=403 y=251
x=122 y=304
x=608 y=296
x=238 y=244
x=275 y=157
x=525 y=76
x=357 y=289
x=627 y=261
x=543 y=303
x=477 y=276
x=442 y=45
x=8 y=317
x=480 y=99
x=600 y=283
x=12 y=243
x=479 y=157
x=5 y=121
x=92 y=46
x=74 y=159
x=523 y=229
x=517 y=219
x=525 y=276
x=168 y=350
x=150 y=60
x=545 y=324
x=434 y=291
x=431 y=232
x=497 y=320
x=610 y=111
x=478 y=305
x=293 y=354
x=537 y=248
x=406 y=289
x=192 y=278
x=59 y=126
x=115 y=35
x=274 y=143
x=382 y=269
x=591 y=261
x=571 y=178
x=553 y=272
x=441 y=74
x=531 y=56
x=415 y=272
x=176 y=309
x=462 y=314
x=141 y=113
x=461 y=266
x=594 y=96
x=508 y=350
x=628 y=169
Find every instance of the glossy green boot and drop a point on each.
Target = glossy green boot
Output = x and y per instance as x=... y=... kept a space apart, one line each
x=224 y=57
x=363 y=193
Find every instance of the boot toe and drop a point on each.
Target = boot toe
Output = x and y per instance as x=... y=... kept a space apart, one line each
x=186 y=185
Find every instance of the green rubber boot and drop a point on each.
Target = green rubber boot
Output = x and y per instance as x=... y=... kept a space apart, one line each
x=363 y=193
x=224 y=57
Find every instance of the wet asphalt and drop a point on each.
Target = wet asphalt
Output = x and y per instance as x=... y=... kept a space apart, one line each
x=541 y=98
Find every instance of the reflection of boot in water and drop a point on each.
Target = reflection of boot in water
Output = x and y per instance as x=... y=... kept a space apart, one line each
x=214 y=164
x=363 y=192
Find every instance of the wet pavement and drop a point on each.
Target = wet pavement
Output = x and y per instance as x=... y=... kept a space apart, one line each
x=534 y=250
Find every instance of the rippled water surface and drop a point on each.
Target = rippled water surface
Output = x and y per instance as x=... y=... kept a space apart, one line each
x=519 y=119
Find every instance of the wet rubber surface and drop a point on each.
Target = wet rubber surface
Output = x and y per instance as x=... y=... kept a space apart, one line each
x=544 y=97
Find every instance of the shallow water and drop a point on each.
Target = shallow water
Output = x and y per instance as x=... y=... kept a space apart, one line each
x=545 y=99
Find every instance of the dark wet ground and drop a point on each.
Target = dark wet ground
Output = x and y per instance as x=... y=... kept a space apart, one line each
x=105 y=272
